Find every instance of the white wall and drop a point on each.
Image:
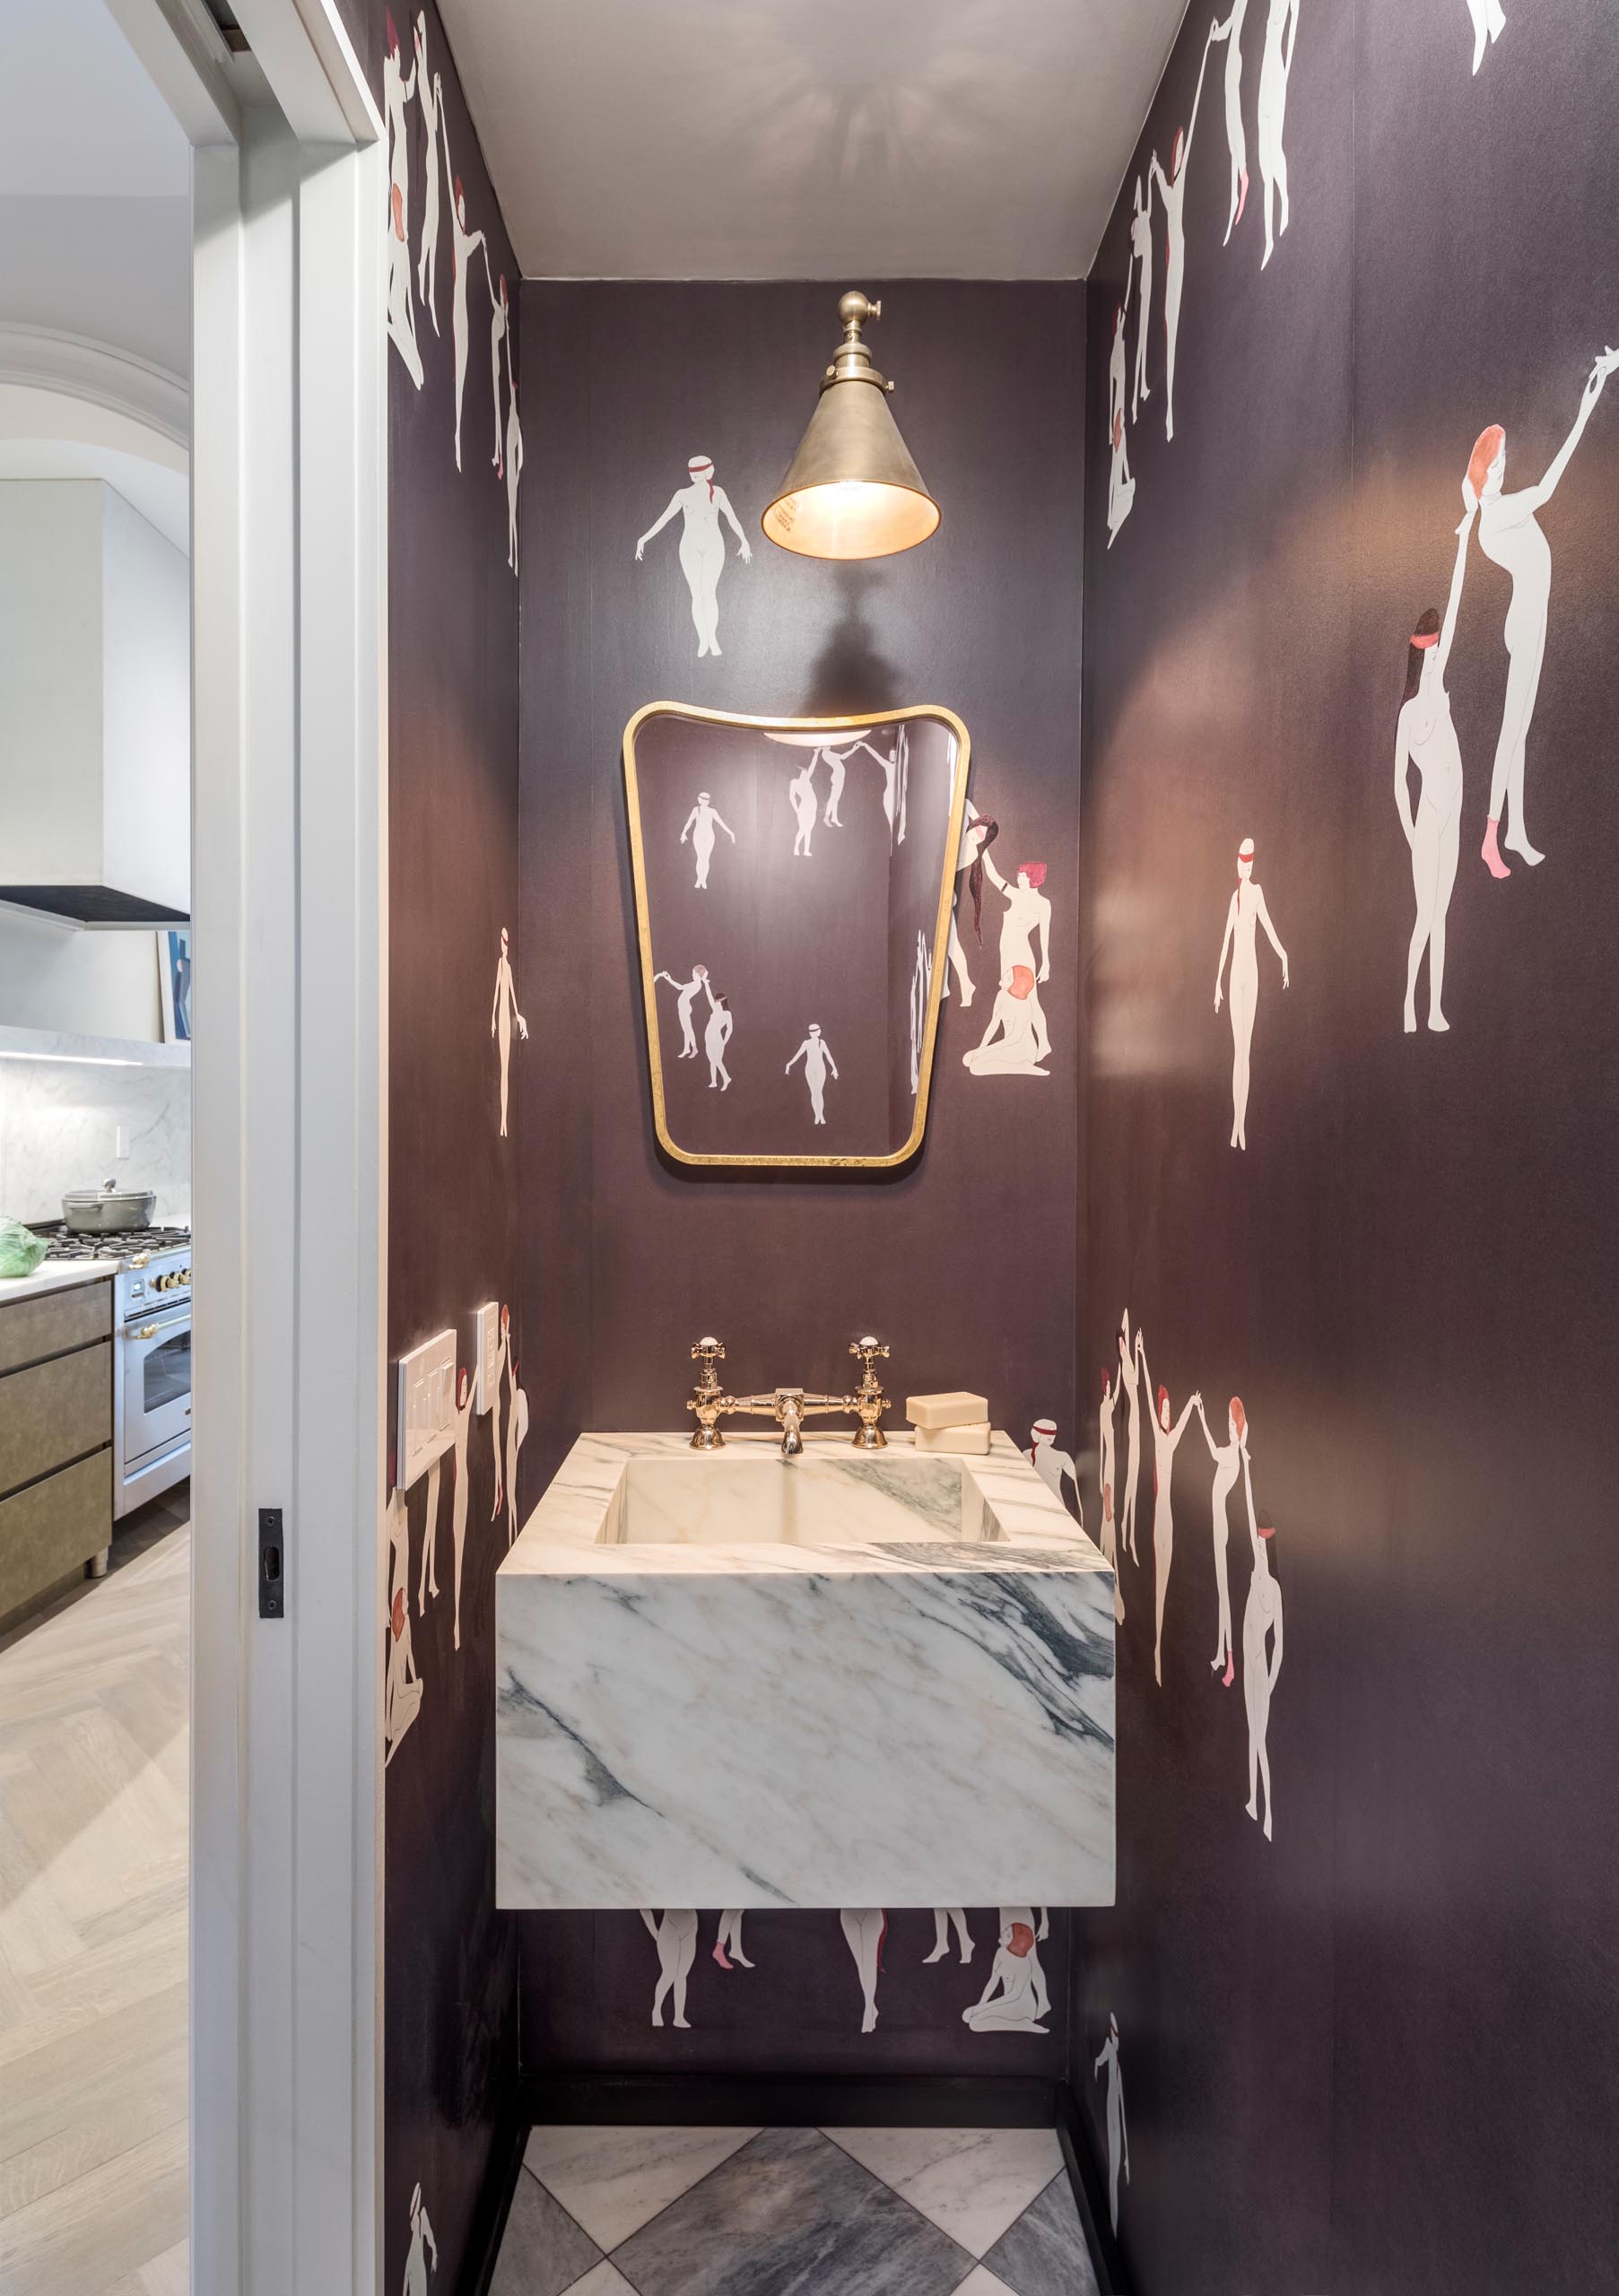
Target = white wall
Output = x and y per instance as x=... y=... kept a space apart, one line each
x=59 y=1128
x=147 y=704
x=95 y=708
x=50 y=696
x=55 y=975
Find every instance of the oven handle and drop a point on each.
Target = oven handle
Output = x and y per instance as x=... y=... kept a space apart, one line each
x=157 y=1331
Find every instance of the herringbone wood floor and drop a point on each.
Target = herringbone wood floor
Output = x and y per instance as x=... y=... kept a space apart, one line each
x=93 y=1731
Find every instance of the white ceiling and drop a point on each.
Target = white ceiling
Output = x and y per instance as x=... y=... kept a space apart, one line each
x=79 y=118
x=854 y=139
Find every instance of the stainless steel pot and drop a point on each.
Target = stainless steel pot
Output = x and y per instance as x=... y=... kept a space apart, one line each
x=105 y=1210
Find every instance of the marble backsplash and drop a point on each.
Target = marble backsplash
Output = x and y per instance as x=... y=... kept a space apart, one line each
x=59 y=1124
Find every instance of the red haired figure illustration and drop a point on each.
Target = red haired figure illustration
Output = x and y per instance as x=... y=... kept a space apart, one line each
x=1508 y=533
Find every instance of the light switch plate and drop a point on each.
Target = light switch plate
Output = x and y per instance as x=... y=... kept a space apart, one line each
x=426 y=1406
x=487 y=1374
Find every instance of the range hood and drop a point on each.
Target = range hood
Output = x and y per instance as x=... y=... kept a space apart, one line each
x=95 y=708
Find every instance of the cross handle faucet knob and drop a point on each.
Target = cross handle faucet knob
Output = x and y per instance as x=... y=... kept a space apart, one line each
x=708 y=1352
x=868 y=1350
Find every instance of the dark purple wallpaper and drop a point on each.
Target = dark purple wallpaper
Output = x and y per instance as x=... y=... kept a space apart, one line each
x=449 y=1963
x=1369 y=2049
x=963 y=1261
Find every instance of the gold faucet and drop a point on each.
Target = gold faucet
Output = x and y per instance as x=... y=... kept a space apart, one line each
x=788 y=1407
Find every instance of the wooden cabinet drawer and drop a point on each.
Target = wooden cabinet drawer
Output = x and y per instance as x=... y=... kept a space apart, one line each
x=52 y=1322
x=55 y=1412
x=52 y=1528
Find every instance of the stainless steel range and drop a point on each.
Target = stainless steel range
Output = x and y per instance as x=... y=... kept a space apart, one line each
x=150 y=1355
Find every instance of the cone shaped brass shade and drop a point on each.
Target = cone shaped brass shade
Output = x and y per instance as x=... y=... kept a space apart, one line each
x=853 y=490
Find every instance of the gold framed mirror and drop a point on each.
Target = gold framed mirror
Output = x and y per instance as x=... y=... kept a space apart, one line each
x=794 y=881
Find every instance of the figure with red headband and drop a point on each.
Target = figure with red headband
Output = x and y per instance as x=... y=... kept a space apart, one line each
x=701 y=505
x=1425 y=738
x=1166 y=1440
x=1028 y=919
x=1246 y=913
x=1508 y=533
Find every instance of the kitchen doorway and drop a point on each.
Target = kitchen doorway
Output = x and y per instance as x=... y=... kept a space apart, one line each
x=252 y=1621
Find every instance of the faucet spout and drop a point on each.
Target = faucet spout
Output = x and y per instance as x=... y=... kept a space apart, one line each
x=789 y=1411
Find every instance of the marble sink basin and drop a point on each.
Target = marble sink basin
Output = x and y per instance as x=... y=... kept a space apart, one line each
x=849 y=1679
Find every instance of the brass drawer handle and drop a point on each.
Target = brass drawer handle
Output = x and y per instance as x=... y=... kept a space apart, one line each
x=147 y=1331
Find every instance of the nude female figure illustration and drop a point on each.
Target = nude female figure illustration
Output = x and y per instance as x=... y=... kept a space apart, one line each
x=1280 y=38
x=502 y=1369
x=977 y=832
x=1109 y=1536
x=1228 y=1464
x=1488 y=25
x=1166 y=1441
x=463 y=246
x=501 y=1018
x=701 y=504
x=402 y=1688
x=1247 y=911
x=514 y=463
x=1141 y=258
x=500 y=327
x=728 y=1942
x=1055 y=1468
x=1122 y=486
x=1028 y=919
x=817 y=1061
x=806 y=803
x=421 y=2241
x=1171 y=190
x=686 y=992
x=715 y=1039
x=864 y=1931
x=675 y=1937
x=429 y=95
x=1236 y=135
x=458 y=1491
x=397 y=93
x=1010 y=2002
x=1129 y=1384
x=1425 y=738
x=1009 y=1046
x=1510 y=534
x=1261 y=1617
x=944 y=1919
x=701 y=823
x=1118 y=2142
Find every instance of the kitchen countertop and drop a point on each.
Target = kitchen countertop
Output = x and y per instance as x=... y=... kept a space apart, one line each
x=55 y=1275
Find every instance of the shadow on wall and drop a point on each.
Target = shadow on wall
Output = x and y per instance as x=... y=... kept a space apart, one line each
x=849 y=674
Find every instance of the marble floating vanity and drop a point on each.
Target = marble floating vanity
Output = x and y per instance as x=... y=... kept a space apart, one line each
x=843 y=1679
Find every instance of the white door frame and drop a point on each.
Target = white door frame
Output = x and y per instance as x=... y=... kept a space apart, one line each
x=288 y=458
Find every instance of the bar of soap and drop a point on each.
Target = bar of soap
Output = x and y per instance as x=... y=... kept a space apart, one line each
x=963 y=1441
x=947 y=1411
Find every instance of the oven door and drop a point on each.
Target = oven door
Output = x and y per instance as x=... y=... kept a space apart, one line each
x=156 y=1405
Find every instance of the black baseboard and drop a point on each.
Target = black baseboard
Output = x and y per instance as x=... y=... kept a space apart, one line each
x=494 y=2206
x=1087 y=2176
x=733 y=2100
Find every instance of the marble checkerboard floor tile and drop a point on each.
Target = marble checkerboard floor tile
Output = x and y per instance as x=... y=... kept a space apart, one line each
x=793 y=2211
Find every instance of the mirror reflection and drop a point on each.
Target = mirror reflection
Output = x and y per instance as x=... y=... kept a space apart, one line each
x=793 y=881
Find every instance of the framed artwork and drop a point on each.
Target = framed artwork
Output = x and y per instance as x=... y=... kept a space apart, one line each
x=174 y=983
